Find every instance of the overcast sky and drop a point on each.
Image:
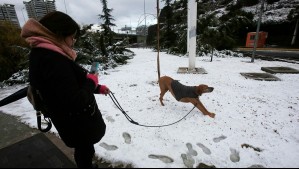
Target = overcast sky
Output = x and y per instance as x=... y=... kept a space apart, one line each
x=125 y=12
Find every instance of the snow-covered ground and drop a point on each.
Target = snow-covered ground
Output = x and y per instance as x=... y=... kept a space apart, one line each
x=276 y=12
x=256 y=123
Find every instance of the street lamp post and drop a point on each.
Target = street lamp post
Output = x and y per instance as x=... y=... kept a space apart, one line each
x=144 y=23
x=65 y=7
x=142 y=16
x=23 y=15
x=257 y=31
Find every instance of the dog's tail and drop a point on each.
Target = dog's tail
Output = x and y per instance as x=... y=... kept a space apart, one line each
x=158 y=41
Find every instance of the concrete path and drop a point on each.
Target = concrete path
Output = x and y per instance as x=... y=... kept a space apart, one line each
x=13 y=132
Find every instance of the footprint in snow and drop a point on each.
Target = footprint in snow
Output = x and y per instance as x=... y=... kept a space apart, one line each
x=108 y=147
x=256 y=166
x=234 y=156
x=190 y=150
x=188 y=160
x=110 y=119
x=163 y=158
x=206 y=150
x=127 y=137
x=218 y=139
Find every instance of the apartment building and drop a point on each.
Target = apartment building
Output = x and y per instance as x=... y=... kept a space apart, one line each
x=38 y=8
x=8 y=13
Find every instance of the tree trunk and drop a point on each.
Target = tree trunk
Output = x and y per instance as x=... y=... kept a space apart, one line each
x=103 y=47
x=212 y=54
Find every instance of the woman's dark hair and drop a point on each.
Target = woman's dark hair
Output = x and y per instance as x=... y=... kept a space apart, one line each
x=60 y=24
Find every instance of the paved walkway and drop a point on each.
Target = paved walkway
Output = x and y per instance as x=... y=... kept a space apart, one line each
x=273 y=49
x=16 y=134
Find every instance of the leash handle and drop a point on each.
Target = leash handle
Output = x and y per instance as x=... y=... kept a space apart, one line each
x=39 y=123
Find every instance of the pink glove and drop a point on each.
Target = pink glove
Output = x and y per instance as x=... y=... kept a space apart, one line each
x=104 y=89
x=94 y=78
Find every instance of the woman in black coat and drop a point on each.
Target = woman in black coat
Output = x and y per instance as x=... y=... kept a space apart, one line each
x=66 y=88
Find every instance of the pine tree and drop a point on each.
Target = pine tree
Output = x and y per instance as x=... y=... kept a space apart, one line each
x=167 y=22
x=179 y=27
x=107 y=22
x=209 y=33
x=85 y=46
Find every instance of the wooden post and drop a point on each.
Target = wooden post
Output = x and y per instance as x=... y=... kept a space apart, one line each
x=158 y=40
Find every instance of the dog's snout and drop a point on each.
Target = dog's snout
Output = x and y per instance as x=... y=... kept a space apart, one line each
x=211 y=89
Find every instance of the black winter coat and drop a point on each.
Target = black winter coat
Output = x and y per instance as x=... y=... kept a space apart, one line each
x=69 y=96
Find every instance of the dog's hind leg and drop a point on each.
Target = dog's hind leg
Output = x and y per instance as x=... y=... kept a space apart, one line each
x=162 y=95
x=163 y=90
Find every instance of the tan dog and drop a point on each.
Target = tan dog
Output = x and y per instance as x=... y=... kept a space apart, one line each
x=186 y=94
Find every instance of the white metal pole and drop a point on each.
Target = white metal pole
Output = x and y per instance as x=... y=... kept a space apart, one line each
x=192 y=20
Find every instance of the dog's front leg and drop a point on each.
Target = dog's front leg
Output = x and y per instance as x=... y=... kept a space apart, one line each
x=197 y=103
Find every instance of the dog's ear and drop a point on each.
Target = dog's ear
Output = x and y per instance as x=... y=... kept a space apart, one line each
x=200 y=89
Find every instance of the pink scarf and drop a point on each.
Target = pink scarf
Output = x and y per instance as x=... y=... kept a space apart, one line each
x=39 y=36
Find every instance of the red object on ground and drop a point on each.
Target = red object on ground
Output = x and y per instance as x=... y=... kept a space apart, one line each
x=261 y=39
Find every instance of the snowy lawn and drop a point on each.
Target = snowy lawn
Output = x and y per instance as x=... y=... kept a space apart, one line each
x=256 y=123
